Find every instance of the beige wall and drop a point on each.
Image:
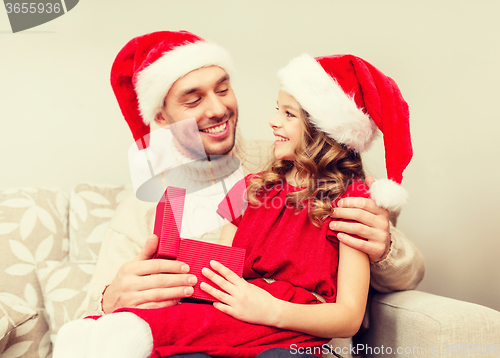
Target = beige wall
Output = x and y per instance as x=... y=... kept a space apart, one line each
x=60 y=124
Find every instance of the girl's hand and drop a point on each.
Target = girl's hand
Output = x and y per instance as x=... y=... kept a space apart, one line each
x=243 y=300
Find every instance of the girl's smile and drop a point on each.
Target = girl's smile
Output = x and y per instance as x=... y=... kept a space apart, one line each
x=280 y=138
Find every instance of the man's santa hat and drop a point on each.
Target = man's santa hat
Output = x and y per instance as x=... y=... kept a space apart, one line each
x=141 y=76
x=148 y=65
x=348 y=99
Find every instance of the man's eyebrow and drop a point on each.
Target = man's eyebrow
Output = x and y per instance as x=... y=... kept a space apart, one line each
x=189 y=91
x=222 y=79
x=195 y=89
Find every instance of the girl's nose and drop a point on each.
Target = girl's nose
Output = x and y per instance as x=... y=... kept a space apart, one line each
x=274 y=122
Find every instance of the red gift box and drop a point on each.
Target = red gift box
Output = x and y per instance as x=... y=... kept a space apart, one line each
x=197 y=254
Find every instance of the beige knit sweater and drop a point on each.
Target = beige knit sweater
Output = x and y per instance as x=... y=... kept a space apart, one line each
x=133 y=222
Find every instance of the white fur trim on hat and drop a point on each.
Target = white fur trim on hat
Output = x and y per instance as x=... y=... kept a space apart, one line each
x=154 y=82
x=331 y=110
x=389 y=194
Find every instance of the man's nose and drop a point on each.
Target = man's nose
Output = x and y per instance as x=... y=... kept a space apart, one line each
x=215 y=107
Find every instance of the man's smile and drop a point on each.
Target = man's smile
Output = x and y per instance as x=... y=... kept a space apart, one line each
x=220 y=130
x=215 y=129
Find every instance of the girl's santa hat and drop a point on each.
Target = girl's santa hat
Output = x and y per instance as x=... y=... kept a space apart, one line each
x=348 y=99
x=148 y=65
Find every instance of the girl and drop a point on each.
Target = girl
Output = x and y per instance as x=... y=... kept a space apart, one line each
x=301 y=287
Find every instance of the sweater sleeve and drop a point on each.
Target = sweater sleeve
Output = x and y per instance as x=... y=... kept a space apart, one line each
x=116 y=250
x=123 y=240
x=402 y=269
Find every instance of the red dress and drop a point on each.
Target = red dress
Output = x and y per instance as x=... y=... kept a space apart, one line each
x=281 y=243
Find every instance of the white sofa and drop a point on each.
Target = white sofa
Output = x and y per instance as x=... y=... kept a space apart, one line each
x=50 y=240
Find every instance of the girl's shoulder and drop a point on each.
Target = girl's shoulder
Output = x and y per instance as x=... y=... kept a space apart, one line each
x=251 y=176
x=357 y=189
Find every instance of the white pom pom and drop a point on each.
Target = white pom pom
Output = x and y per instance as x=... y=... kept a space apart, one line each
x=389 y=194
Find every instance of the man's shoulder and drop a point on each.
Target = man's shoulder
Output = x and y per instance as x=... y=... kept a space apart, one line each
x=254 y=154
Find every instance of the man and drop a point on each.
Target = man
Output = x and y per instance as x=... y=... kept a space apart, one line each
x=167 y=77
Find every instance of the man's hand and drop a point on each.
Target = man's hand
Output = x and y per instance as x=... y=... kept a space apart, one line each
x=372 y=224
x=148 y=283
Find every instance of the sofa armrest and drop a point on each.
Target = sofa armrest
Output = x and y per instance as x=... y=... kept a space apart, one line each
x=423 y=324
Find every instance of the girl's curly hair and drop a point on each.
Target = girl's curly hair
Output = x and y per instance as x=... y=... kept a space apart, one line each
x=325 y=166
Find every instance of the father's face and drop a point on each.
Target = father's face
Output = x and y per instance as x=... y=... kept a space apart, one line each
x=206 y=95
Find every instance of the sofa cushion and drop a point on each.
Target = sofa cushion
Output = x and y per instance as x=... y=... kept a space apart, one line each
x=14 y=312
x=91 y=208
x=33 y=228
x=64 y=285
x=434 y=325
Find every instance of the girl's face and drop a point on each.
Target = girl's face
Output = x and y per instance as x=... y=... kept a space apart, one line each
x=288 y=126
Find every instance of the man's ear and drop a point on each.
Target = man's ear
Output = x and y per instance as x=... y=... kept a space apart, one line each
x=160 y=119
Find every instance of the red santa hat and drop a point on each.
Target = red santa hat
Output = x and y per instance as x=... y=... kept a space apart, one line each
x=148 y=65
x=348 y=99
